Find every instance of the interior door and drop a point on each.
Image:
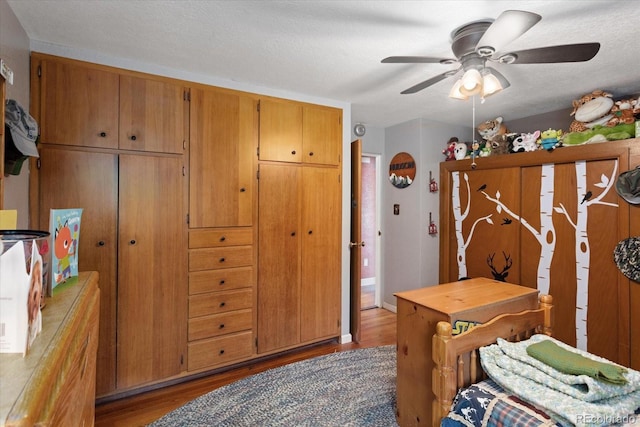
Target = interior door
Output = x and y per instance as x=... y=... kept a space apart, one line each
x=356 y=243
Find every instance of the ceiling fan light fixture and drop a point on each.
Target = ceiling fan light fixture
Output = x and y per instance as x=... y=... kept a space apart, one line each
x=490 y=84
x=471 y=82
x=455 y=91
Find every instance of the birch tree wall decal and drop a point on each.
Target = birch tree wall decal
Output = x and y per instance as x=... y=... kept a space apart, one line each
x=459 y=217
x=583 y=248
x=546 y=236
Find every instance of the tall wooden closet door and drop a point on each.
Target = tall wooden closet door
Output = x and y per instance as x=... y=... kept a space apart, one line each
x=278 y=257
x=574 y=256
x=152 y=280
x=321 y=255
x=81 y=179
x=484 y=208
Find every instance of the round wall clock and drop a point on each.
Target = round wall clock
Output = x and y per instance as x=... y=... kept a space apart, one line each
x=402 y=170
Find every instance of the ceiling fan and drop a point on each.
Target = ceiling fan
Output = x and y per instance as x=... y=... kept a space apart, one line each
x=480 y=42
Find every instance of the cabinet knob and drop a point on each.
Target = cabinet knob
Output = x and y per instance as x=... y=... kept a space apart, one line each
x=311 y=153
x=221 y=352
x=221 y=259
x=242 y=190
x=222 y=239
x=222 y=304
x=101 y=243
x=293 y=233
x=310 y=231
x=132 y=242
x=133 y=137
x=103 y=134
x=221 y=326
x=293 y=152
x=221 y=282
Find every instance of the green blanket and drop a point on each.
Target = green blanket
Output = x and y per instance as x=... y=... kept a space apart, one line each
x=572 y=363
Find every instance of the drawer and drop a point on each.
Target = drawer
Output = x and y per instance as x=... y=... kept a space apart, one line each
x=220 y=302
x=218 y=351
x=218 y=280
x=220 y=324
x=220 y=237
x=213 y=258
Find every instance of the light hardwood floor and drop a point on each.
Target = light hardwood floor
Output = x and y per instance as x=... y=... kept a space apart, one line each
x=378 y=328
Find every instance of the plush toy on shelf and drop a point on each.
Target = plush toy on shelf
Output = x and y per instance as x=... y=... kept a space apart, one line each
x=591 y=110
x=495 y=135
x=525 y=142
x=449 y=152
x=550 y=139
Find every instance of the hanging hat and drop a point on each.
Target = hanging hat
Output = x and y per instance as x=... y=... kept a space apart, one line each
x=23 y=127
x=627 y=257
x=628 y=185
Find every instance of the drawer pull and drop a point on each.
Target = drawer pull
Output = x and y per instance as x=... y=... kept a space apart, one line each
x=222 y=239
x=221 y=282
x=101 y=243
x=221 y=326
x=103 y=134
x=222 y=352
x=311 y=153
x=132 y=242
x=293 y=152
x=310 y=231
x=222 y=304
x=242 y=190
x=133 y=137
x=222 y=259
x=293 y=233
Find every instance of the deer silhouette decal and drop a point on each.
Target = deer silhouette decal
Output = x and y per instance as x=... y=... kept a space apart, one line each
x=500 y=275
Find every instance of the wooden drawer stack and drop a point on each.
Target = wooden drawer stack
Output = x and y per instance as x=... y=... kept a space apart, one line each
x=221 y=282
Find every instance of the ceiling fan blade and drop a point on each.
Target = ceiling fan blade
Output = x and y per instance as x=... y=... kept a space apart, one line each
x=552 y=54
x=429 y=82
x=416 y=60
x=510 y=25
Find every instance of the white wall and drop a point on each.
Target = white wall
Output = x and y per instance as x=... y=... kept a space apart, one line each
x=14 y=50
x=410 y=254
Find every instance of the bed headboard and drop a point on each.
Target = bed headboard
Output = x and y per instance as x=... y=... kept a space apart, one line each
x=456 y=359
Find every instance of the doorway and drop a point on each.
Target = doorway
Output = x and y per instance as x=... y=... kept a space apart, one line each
x=370 y=228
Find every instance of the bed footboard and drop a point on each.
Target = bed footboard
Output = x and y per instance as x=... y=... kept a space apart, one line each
x=456 y=358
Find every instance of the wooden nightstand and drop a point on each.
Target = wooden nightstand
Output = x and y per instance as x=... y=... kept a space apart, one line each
x=468 y=301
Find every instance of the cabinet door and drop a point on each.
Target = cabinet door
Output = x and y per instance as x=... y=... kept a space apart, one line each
x=152 y=281
x=278 y=259
x=223 y=146
x=81 y=179
x=280 y=131
x=79 y=105
x=321 y=255
x=484 y=213
x=152 y=115
x=321 y=135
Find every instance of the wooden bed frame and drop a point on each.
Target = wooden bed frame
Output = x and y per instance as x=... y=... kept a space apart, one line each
x=457 y=364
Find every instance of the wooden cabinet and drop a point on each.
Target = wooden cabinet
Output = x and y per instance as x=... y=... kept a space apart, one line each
x=460 y=303
x=299 y=255
x=55 y=383
x=300 y=133
x=221 y=296
x=548 y=221
x=133 y=227
x=91 y=106
x=224 y=141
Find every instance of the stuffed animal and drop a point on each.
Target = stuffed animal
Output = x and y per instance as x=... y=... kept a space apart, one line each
x=599 y=134
x=460 y=151
x=550 y=139
x=590 y=110
x=624 y=112
x=449 y=152
x=525 y=142
x=491 y=128
x=501 y=144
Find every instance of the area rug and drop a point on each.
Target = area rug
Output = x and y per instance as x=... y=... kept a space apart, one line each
x=350 y=388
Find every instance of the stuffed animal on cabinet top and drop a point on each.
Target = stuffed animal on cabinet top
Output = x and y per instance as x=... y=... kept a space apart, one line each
x=590 y=110
x=496 y=136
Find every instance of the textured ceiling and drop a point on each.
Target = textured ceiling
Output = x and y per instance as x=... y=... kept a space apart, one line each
x=333 y=49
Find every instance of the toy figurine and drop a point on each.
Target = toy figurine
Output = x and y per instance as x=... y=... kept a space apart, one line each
x=449 y=152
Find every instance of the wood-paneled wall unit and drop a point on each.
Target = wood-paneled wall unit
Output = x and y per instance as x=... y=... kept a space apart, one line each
x=54 y=384
x=180 y=222
x=114 y=143
x=551 y=221
x=299 y=226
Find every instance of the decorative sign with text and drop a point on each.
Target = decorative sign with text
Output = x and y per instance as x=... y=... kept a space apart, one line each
x=402 y=170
